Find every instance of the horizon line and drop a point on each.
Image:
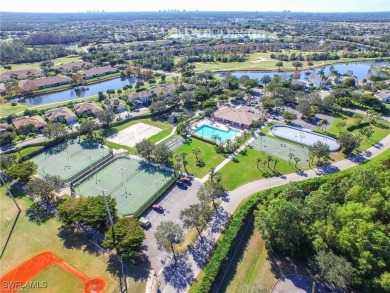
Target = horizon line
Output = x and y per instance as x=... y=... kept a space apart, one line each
x=186 y=11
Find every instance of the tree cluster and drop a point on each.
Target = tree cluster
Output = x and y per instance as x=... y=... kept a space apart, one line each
x=340 y=226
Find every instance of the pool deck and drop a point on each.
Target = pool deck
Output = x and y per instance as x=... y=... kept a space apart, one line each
x=206 y=121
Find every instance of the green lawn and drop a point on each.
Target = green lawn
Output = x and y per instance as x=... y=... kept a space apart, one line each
x=378 y=135
x=250 y=268
x=207 y=154
x=243 y=169
x=262 y=61
x=35 y=65
x=36 y=232
x=57 y=280
x=7 y=109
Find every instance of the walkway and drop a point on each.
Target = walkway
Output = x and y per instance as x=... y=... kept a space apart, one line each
x=227 y=160
x=171 y=134
x=34 y=140
x=178 y=278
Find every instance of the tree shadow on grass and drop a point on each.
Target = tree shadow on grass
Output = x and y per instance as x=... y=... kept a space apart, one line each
x=138 y=267
x=108 y=132
x=38 y=214
x=178 y=272
x=73 y=239
x=283 y=265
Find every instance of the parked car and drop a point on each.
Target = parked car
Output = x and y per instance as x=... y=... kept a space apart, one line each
x=144 y=222
x=181 y=184
x=158 y=208
x=186 y=180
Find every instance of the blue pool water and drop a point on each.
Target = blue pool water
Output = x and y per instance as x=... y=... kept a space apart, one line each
x=208 y=131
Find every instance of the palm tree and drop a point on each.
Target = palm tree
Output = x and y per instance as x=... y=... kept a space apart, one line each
x=321 y=73
x=269 y=159
x=212 y=174
x=276 y=161
x=258 y=160
x=178 y=161
x=183 y=157
x=290 y=157
x=196 y=152
x=297 y=160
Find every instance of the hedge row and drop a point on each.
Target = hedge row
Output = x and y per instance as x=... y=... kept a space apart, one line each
x=224 y=249
x=358 y=126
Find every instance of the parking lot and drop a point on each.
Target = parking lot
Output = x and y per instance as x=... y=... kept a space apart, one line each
x=173 y=202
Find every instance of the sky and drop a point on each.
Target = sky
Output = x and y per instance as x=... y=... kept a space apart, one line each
x=192 y=5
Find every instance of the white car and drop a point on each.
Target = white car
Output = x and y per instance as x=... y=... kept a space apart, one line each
x=144 y=222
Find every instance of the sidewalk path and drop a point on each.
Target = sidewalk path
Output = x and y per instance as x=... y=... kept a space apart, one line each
x=23 y=143
x=171 y=134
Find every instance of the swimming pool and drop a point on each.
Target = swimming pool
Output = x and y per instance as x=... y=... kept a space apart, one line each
x=208 y=131
x=303 y=136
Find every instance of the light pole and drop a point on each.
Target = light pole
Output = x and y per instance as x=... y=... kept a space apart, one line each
x=90 y=159
x=67 y=164
x=121 y=169
x=108 y=210
x=156 y=186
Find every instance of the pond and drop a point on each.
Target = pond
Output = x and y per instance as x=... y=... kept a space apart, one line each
x=80 y=92
x=359 y=69
x=252 y=36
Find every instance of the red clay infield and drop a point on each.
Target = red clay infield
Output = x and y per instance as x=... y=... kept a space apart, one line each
x=29 y=269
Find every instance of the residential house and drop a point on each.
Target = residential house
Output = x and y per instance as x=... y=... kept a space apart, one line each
x=74 y=66
x=44 y=82
x=3 y=127
x=60 y=115
x=98 y=71
x=140 y=97
x=240 y=116
x=87 y=109
x=163 y=91
x=36 y=122
x=21 y=74
x=384 y=96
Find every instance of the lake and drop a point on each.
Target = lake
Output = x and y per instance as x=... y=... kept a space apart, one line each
x=75 y=93
x=252 y=36
x=359 y=69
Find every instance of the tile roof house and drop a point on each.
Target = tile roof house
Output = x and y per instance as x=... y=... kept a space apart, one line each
x=239 y=116
x=78 y=65
x=3 y=127
x=44 y=82
x=98 y=71
x=36 y=121
x=164 y=91
x=87 y=108
x=143 y=97
x=21 y=74
x=384 y=96
x=57 y=115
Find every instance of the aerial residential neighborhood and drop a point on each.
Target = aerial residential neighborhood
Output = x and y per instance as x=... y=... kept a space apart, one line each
x=181 y=146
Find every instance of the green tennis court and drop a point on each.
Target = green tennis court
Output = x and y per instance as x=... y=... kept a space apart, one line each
x=280 y=149
x=70 y=159
x=133 y=183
